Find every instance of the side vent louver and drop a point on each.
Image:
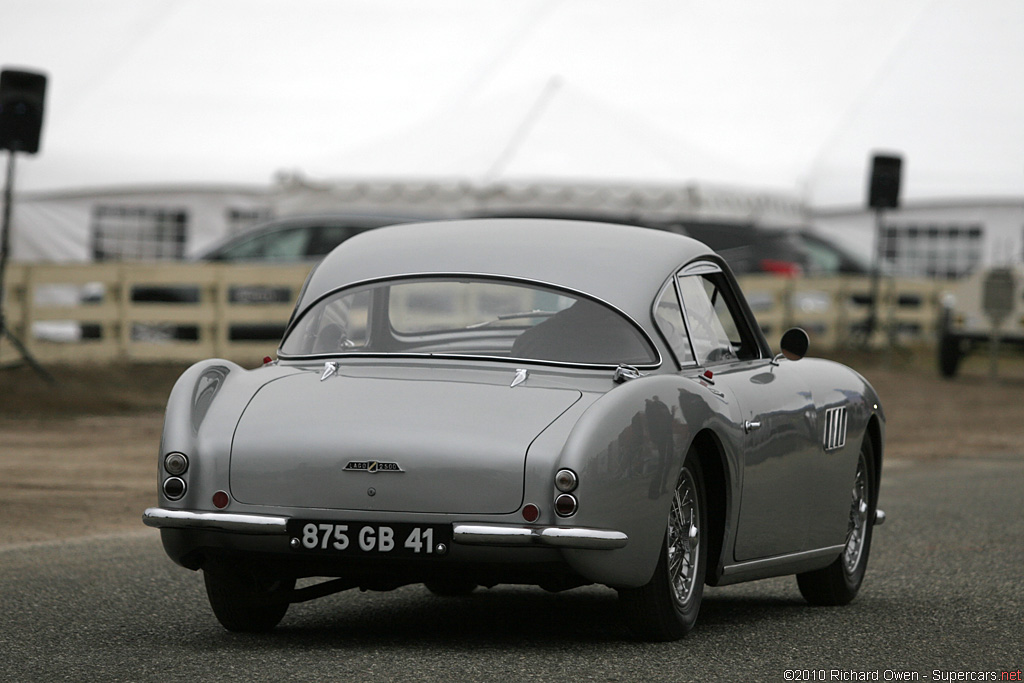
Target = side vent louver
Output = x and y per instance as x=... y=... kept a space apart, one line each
x=835 y=428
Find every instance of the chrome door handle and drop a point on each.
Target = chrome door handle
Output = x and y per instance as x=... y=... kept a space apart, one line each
x=749 y=426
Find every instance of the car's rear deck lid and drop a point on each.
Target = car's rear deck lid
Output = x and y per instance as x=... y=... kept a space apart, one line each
x=404 y=445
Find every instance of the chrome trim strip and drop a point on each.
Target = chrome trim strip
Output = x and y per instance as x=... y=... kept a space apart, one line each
x=557 y=536
x=755 y=565
x=699 y=266
x=162 y=518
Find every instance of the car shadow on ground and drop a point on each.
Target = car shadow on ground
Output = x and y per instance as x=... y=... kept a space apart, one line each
x=506 y=615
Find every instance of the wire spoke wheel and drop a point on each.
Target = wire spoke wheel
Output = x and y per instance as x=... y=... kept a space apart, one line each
x=666 y=607
x=857 y=530
x=839 y=582
x=683 y=539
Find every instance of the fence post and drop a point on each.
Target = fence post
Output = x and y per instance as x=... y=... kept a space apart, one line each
x=219 y=328
x=17 y=320
x=123 y=327
x=28 y=302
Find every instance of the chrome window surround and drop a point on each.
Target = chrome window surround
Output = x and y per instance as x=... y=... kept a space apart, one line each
x=699 y=267
x=673 y=282
x=297 y=316
x=705 y=267
x=691 y=269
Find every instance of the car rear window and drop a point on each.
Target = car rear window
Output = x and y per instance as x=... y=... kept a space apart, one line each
x=469 y=317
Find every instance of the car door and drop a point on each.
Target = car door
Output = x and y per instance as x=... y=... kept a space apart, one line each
x=775 y=432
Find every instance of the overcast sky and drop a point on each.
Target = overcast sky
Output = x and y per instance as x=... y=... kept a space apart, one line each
x=789 y=95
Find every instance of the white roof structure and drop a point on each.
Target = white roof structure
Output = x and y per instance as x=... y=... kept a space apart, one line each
x=790 y=95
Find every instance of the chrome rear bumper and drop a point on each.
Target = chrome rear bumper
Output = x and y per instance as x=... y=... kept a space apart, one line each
x=556 y=536
x=580 y=538
x=162 y=518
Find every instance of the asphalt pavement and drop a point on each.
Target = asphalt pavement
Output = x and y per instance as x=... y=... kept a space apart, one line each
x=942 y=601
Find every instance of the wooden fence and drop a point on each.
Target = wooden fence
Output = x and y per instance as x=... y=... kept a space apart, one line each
x=114 y=312
x=182 y=312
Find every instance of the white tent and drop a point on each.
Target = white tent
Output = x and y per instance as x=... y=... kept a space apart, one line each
x=788 y=95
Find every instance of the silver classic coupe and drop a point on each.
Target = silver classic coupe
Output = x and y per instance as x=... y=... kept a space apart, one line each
x=530 y=401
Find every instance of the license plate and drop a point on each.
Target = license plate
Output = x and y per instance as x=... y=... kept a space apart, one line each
x=395 y=539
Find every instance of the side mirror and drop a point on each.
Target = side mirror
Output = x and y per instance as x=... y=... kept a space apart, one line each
x=794 y=343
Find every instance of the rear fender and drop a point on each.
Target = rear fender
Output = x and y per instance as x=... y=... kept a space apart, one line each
x=628 y=448
x=202 y=411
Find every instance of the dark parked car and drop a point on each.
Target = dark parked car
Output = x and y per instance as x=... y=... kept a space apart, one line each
x=755 y=249
x=746 y=247
x=293 y=239
x=296 y=238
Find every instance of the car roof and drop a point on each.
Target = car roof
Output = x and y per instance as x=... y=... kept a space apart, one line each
x=623 y=265
x=354 y=220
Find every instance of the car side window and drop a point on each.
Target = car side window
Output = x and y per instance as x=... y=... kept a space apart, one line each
x=282 y=245
x=287 y=245
x=715 y=332
x=327 y=237
x=669 y=316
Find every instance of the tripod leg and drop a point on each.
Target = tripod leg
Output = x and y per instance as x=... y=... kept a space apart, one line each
x=40 y=370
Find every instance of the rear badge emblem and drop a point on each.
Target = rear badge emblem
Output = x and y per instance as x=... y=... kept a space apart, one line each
x=372 y=466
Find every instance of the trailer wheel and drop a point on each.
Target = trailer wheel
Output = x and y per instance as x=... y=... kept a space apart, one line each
x=950 y=355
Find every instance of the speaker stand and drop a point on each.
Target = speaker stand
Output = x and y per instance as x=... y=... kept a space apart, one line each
x=5 y=232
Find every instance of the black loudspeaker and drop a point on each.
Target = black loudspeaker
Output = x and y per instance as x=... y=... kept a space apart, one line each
x=885 y=182
x=21 y=110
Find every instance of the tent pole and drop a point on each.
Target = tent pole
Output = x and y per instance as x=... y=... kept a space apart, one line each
x=876 y=276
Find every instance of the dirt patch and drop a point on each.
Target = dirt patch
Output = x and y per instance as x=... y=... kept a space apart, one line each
x=76 y=476
x=931 y=417
x=88 y=389
x=79 y=458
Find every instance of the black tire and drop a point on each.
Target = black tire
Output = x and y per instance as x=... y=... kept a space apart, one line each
x=838 y=583
x=666 y=607
x=245 y=602
x=450 y=588
x=950 y=355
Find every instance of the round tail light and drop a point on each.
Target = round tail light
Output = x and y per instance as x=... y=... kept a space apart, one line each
x=566 y=481
x=175 y=463
x=566 y=505
x=174 y=488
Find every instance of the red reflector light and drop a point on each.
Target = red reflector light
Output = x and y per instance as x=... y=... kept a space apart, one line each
x=531 y=513
x=267 y=359
x=220 y=500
